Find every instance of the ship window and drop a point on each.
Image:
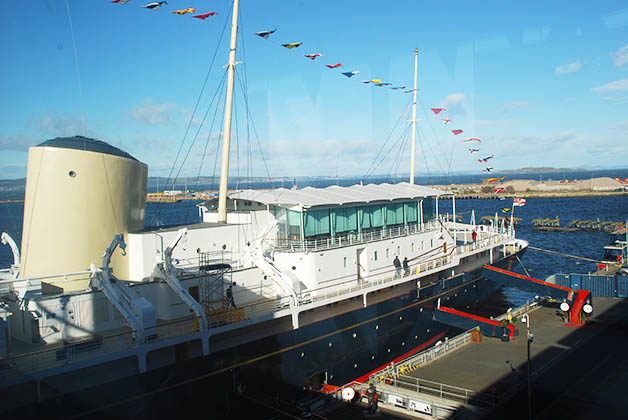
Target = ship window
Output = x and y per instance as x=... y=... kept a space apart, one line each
x=316 y=223
x=428 y=209
x=345 y=262
x=394 y=214
x=372 y=217
x=375 y=256
x=345 y=219
x=412 y=246
x=411 y=212
x=431 y=243
x=387 y=253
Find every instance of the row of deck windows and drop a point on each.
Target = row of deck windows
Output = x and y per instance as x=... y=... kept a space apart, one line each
x=340 y=220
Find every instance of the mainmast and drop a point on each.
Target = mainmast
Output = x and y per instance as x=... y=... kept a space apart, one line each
x=226 y=138
x=416 y=55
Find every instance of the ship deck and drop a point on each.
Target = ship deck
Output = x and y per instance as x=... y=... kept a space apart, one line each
x=576 y=372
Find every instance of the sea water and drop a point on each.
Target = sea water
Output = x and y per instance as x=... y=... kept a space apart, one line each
x=588 y=244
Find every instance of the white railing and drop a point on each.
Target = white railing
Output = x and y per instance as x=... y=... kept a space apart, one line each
x=19 y=365
x=351 y=238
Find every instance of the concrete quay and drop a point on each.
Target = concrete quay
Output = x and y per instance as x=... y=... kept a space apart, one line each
x=576 y=372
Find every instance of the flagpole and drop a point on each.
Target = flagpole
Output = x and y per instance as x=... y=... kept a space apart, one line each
x=512 y=215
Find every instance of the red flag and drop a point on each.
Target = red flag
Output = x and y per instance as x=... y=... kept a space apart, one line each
x=498 y=190
x=437 y=110
x=333 y=66
x=205 y=16
x=456 y=132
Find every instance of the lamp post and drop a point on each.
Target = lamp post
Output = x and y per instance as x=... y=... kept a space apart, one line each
x=526 y=318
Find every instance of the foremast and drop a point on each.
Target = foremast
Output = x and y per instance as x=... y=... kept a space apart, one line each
x=226 y=137
x=413 y=152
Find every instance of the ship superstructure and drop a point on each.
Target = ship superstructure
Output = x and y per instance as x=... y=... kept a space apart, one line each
x=288 y=265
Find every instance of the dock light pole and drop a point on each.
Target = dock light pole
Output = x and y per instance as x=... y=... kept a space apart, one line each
x=526 y=318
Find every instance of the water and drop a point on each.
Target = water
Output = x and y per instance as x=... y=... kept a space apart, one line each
x=539 y=265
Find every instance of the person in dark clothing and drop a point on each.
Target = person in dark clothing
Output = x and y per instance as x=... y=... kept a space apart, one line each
x=230 y=301
x=406 y=267
x=397 y=265
x=474 y=235
x=371 y=394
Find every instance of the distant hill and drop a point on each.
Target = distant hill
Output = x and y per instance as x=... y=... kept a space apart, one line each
x=542 y=169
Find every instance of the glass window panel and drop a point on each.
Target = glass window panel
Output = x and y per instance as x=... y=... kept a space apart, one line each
x=428 y=209
x=316 y=222
x=411 y=212
x=377 y=216
x=346 y=219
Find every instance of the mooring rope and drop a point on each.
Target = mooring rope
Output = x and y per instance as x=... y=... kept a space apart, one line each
x=547 y=251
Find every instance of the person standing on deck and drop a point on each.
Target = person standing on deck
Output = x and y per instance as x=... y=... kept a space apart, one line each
x=397 y=265
x=406 y=267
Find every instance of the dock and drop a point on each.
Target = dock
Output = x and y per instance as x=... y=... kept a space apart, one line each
x=575 y=372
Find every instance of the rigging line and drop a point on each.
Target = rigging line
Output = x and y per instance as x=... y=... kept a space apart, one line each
x=200 y=95
x=432 y=153
x=222 y=127
x=214 y=99
x=259 y=144
x=401 y=142
x=76 y=63
x=434 y=132
x=378 y=156
x=427 y=168
x=209 y=134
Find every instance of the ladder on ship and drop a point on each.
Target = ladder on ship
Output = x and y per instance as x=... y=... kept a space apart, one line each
x=216 y=277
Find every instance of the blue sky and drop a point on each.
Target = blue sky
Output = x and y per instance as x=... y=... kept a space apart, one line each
x=541 y=83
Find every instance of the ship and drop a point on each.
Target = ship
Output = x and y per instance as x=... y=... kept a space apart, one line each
x=305 y=286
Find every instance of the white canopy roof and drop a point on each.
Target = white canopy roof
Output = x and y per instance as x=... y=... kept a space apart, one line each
x=336 y=195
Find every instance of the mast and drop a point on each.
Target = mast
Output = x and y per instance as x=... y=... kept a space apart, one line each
x=416 y=55
x=226 y=137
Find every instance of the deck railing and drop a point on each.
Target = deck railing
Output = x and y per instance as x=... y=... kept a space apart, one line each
x=352 y=237
x=87 y=348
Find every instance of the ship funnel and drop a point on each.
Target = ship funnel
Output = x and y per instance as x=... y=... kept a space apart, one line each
x=80 y=193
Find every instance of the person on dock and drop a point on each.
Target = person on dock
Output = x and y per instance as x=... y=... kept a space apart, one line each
x=406 y=267
x=371 y=395
x=397 y=265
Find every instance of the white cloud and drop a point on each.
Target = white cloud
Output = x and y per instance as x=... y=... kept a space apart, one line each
x=454 y=103
x=52 y=124
x=512 y=106
x=569 y=68
x=616 y=86
x=19 y=143
x=150 y=113
x=621 y=56
x=536 y=35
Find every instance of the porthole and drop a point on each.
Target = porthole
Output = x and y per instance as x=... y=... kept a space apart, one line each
x=420 y=309
x=416 y=337
x=400 y=318
x=377 y=327
x=72 y=174
x=330 y=344
x=302 y=354
x=373 y=357
x=388 y=350
x=428 y=330
x=403 y=343
x=354 y=335
x=355 y=365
